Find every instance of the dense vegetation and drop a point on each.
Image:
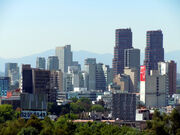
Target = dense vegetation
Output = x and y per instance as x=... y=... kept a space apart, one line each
x=12 y=124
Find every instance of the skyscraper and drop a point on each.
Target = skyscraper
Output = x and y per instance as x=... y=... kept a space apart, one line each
x=52 y=63
x=100 y=77
x=65 y=57
x=12 y=71
x=123 y=41
x=41 y=63
x=154 y=51
x=90 y=68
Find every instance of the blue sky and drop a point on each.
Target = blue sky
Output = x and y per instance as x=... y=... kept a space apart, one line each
x=33 y=26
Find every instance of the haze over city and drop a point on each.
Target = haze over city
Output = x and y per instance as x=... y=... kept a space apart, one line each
x=29 y=27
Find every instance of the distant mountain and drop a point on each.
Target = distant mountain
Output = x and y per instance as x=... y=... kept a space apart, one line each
x=77 y=56
x=80 y=56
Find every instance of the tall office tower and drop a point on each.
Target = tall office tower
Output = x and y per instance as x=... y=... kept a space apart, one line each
x=100 y=78
x=41 y=63
x=12 y=71
x=132 y=58
x=123 y=41
x=154 y=51
x=90 y=68
x=52 y=63
x=65 y=57
x=4 y=85
x=26 y=79
x=124 y=106
x=36 y=81
x=169 y=69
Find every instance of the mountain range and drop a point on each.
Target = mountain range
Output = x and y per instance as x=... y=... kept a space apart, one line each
x=80 y=56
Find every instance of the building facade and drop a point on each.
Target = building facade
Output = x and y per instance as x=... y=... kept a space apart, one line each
x=90 y=68
x=154 y=51
x=4 y=85
x=123 y=41
x=64 y=55
x=153 y=88
x=52 y=63
x=41 y=63
x=124 y=106
x=169 y=69
x=12 y=71
x=100 y=77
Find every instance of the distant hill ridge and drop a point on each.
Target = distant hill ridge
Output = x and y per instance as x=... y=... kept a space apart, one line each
x=80 y=56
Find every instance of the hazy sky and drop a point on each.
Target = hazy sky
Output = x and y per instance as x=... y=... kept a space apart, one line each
x=32 y=26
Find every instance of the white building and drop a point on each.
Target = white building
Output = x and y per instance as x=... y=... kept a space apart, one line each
x=65 y=57
x=153 y=88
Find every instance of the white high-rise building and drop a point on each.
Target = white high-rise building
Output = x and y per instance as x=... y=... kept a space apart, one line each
x=65 y=57
x=153 y=88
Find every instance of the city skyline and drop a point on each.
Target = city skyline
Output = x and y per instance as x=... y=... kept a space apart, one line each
x=85 y=25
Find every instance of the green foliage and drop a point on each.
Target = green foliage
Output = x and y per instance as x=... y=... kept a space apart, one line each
x=28 y=131
x=175 y=119
x=82 y=104
x=34 y=122
x=53 y=108
x=163 y=123
x=12 y=127
x=6 y=113
x=97 y=108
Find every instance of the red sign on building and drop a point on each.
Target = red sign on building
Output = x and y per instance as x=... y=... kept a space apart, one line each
x=143 y=73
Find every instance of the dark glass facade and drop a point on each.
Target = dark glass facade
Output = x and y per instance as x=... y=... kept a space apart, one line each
x=154 y=51
x=123 y=41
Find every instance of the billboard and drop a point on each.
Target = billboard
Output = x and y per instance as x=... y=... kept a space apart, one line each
x=26 y=114
x=143 y=73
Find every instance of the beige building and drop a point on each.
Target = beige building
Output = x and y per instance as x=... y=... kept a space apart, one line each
x=122 y=81
x=134 y=78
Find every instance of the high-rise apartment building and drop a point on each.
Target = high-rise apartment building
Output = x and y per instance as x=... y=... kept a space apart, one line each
x=65 y=57
x=154 y=51
x=124 y=106
x=153 y=88
x=41 y=63
x=52 y=63
x=169 y=69
x=123 y=41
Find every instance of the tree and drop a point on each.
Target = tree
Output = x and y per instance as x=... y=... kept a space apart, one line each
x=34 y=122
x=175 y=119
x=97 y=108
x=6 y=113
x=28 y=131
x=12 y=127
